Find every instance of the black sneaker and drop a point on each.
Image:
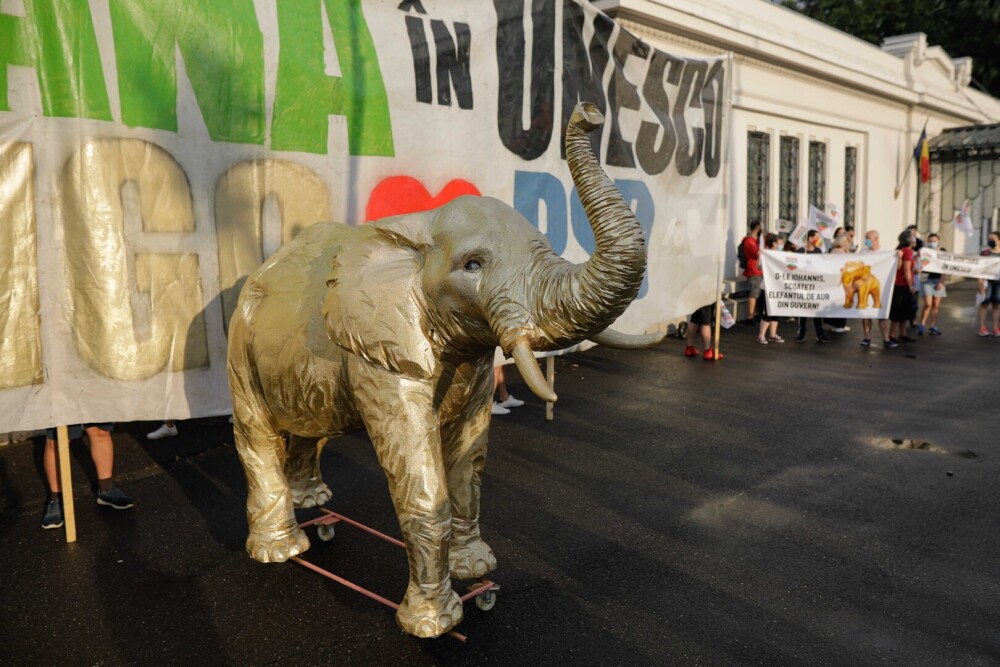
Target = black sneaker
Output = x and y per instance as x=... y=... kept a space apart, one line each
x=53 y=517
x=866 y=342
x=114 y=497
x=890 y=343
x=822 y=339
x=800 y=339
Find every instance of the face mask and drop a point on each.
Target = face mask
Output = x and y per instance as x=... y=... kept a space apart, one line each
x=779 y=246
x=869 y=244
x=932 y=244
x=818 y=241
x=992 y=243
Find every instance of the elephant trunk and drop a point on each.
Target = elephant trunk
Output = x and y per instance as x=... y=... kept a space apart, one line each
x=572 y=302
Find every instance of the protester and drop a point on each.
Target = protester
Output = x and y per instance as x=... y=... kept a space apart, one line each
x=989 y=291
x=507 y=401
x=813 y=245
x=752 y=271
x=851 y=245
x=933 y=290
x=871 y=244
x=901 y=308
x=768 y=330
x=839 y=247
x=167 y=430
x=701 y=323
x=102 y=452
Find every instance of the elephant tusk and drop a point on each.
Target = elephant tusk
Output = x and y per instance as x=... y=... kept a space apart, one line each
x=622 y=341
x=525 y=361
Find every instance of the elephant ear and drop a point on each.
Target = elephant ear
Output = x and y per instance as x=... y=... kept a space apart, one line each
x=375 y=305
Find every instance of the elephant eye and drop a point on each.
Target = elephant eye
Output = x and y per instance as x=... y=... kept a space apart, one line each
x=473 y=265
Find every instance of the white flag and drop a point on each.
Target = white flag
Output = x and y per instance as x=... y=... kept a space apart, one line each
x=962 y=219
x=822 y=222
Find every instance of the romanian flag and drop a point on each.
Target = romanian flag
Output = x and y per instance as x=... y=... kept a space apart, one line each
x=922 y=154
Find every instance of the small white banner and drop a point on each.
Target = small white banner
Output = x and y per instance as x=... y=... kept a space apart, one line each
x=844 y=285
x=969 y=266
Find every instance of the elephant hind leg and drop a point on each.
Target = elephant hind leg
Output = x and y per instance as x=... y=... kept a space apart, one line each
x=302 y=471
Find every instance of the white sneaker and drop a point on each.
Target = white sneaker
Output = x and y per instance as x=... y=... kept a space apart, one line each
x=511 y=402
x=842 y=329
x=163 y=432
x=498 y=409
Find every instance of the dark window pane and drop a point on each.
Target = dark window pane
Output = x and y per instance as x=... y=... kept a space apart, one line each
x=850 y=184
x=788 y=175
x=758 y=161
x=817 y=174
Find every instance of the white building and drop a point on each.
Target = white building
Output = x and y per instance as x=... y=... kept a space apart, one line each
x=820 y=116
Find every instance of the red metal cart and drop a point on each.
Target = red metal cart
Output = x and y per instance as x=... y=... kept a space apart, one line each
x=484 y=591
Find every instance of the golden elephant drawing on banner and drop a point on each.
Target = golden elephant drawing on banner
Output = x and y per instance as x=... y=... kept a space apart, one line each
x=392 y=327
x=860 y=283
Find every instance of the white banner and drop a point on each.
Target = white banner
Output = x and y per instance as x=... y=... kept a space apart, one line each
x=968 y=266
x=845 y=285
x=154 y=152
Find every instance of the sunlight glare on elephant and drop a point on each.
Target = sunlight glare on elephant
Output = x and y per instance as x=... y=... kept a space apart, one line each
x=392 y=327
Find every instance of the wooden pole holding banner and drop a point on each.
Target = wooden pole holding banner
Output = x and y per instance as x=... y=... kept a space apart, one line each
x=550 y=377
x=66 y=482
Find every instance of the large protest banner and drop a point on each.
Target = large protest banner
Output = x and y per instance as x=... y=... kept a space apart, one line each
x=154 y=152
x=968 y=266
x=847 y=285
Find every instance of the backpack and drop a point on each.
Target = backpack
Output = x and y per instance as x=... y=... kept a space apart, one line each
x=741 y=254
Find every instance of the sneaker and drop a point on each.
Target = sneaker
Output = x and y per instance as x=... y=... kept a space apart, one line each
x=690 y=351
x=163 y=432
x=920 y=330
x=906 y=339
x=511 y=402
x=983 y=331
x=866 y=342
x=800 y=338
x=53 y=517
x=762 y=340
x=841 y=329
x=996 y=333
x=711 y=356
x=115 y=498
x=890 y=343
x=498 y=409
x=776 y=339
x=822 y=339
x=934 y=331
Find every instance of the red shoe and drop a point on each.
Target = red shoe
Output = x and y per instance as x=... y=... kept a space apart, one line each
x=711 y=356
x=690 y=351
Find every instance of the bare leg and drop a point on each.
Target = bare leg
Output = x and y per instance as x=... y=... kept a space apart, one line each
x=706 y=337
x=866 y=326
x=884 y=327
x=500 y=384
x=51 y=465
x=102 y=450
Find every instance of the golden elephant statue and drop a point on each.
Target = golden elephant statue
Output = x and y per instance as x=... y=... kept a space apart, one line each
x=392 y=327
x=860 y=283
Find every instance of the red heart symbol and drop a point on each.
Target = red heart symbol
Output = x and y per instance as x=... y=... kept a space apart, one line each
x=402 y=194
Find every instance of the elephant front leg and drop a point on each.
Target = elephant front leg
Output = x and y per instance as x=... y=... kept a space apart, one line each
x=302 y=471
x=402 y=424
x=469 y=557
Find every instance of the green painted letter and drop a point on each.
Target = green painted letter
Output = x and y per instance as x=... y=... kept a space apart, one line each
x=57 y=39
x=305 y=96
x=223 y=51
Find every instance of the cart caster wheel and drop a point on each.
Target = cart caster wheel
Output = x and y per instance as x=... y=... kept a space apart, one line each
x=486 y=600
x=325 y=532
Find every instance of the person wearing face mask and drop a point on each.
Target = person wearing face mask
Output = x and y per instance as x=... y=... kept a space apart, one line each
x=933 y=290
x=814 y=244
x=768 y=329
x=901 y=308
x=871 y=244
x=990 y=291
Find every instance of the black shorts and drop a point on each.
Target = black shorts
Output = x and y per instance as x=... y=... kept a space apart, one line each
x=704 y=316
x=901 y=308
x=76 y=430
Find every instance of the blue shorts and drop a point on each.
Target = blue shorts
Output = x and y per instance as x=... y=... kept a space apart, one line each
x=76 y=430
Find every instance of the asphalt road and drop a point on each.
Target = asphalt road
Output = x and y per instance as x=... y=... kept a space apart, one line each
x=748 y=511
